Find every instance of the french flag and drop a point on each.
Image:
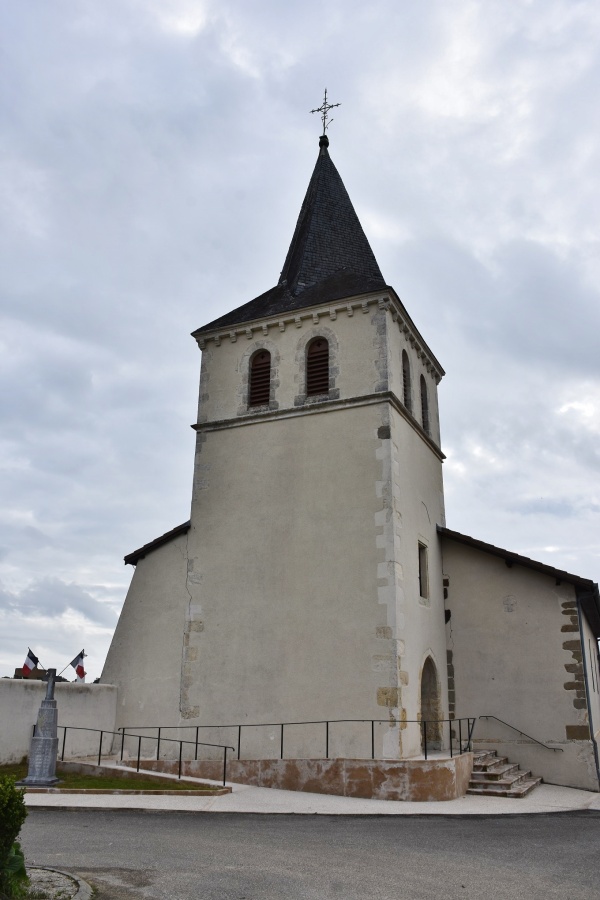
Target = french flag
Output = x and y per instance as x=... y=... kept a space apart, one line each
x=77 y=664
x=30 y=663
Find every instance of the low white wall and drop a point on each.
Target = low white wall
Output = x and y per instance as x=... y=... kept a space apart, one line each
x=84 y=705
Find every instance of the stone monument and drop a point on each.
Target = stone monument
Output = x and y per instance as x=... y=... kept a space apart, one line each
x=44 y=743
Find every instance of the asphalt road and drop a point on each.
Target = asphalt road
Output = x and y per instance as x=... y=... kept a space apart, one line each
x=223 y=856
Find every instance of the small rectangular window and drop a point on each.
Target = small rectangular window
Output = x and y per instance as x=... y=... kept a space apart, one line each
x=423 y=574
x=424 y=406
x=406 y=389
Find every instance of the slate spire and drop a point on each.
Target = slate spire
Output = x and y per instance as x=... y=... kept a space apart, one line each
x=329 y=257
x=328 y=237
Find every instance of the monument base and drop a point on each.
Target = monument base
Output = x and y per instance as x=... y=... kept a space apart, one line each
x=37 y=782
x=43 y=750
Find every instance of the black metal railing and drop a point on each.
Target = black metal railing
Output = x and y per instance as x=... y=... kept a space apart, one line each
x=528 y=736
x=460 y=732
x=122 y=734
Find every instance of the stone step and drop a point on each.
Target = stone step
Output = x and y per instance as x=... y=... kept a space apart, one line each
x=498 y=790
x=483 y=755
x=496 y=773
x=485 y=766
x=509 y=781
x=495 y=776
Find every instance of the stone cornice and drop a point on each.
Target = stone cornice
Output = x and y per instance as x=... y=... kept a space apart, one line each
x=387 y=299
x=408 y=327
x=322 y=406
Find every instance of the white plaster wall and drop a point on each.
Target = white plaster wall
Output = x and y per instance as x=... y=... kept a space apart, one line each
x=295 y=477
x=83 y=705
x=294 y=596
x=283 y=552
x=507 y=649
x=144 y=658
x=267 y=610
x=418 y=509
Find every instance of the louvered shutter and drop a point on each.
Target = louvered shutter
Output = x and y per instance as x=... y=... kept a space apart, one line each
x=317 y=367
x=260 y=379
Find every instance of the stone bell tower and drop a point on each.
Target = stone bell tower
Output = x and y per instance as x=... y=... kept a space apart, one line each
x=308 y=583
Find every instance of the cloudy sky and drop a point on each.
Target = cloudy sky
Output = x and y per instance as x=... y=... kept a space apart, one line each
x=153 y=158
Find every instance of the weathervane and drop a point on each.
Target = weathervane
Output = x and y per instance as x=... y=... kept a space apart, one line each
x=324 y=109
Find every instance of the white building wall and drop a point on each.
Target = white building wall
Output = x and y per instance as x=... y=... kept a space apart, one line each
x=144 y=658
x=294 y=596
x=510 y=650
x=283 y=550
x=418 y=509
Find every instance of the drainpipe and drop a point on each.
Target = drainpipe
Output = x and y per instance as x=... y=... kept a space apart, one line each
x=587 y=686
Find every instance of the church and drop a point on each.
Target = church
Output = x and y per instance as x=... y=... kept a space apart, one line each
x=316 y=580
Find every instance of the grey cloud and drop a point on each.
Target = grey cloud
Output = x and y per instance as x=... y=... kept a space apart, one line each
x=526 y=304
x=27 y=538
x=546 y=310
x=151 y=181
x=562 y=508
x=50 y=597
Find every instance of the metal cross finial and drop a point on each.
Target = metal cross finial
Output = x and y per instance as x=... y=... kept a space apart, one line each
x=324 y=110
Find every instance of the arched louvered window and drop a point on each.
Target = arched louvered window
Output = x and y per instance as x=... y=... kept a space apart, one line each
x=317 y=367
x=260 y=379
x=424 y=405
x=406 y=388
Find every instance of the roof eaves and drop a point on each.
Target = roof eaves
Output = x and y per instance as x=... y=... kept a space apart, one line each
x=212 y=329
x=133 y=558
x=512 y=558
x=289 y=314
x=238 y=316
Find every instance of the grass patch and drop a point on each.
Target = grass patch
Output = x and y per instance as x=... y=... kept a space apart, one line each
x=107 y=782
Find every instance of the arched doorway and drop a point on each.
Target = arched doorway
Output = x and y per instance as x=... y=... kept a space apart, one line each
x=431 y=711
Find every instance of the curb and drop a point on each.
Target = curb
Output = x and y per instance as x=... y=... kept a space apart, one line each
x=217 y=792
x=489 y=814
x=84 y=890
